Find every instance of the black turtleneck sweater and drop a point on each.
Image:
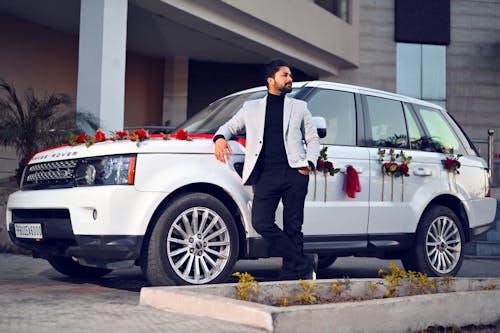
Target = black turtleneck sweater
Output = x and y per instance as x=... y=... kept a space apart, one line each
x=273 y=153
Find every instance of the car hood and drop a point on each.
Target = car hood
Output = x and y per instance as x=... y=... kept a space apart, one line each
x=148 y=146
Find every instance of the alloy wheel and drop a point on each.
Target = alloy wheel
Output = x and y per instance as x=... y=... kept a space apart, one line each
x=198 y=245
x=443 y=244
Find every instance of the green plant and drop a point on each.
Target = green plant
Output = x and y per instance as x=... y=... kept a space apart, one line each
x=394 y=278
x=306 y=294
x=340 y=286
x=489 y=287
x=247 y=287
x=284 y=301
x=30 y=124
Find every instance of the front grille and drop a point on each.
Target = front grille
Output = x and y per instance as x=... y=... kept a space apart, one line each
x=58 y=174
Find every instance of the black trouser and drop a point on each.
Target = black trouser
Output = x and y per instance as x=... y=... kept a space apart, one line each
x=290 y=186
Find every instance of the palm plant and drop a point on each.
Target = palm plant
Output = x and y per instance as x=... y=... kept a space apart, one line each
x=33 y=124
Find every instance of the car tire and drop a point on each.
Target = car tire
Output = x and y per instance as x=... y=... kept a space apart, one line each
x=195 y=241
x=326 y=261
x=439 y=244
x=70 y=267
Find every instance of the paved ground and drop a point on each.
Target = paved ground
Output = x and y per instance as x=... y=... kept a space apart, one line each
x=34 y=297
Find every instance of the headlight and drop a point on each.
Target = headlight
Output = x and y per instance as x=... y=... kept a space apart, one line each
x=106 y=170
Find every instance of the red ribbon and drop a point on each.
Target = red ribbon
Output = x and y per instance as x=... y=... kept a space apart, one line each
x=351 y=182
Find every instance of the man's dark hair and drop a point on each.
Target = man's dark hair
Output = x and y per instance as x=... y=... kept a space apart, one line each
x=273 y=67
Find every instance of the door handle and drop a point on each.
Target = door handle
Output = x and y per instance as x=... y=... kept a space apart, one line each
x=423 y=172
x=358 y=169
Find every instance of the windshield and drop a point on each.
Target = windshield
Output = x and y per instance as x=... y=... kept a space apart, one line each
x=208 y=120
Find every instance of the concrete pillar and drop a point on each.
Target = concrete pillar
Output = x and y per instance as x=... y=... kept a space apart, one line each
x=175 y=91
x=101 y=61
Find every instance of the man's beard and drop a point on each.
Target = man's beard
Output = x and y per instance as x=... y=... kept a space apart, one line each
x=285 y=89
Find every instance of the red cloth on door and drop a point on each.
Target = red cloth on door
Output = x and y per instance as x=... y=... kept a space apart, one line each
x=351 y=182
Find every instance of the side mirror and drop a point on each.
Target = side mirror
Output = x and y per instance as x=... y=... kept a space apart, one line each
x=320 y=124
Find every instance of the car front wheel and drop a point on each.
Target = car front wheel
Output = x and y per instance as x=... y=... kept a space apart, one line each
x=439 y=244
x=194 y=241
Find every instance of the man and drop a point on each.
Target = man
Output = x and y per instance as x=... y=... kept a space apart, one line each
x=277 y=163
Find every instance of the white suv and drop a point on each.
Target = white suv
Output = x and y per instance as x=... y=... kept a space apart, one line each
x=172 y=208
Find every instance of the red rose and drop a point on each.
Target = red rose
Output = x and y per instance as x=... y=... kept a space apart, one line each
x=132 y=137
x=393 y=167
x=386 y=166
x=99 y=136
x=320 y=164
x=140 y=134
x=121 y=134
x=448 y=163
x=404 y=168
x=81 y=138
x=328 y=166
x=181 y=135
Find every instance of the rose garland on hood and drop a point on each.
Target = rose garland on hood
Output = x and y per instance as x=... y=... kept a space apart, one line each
x=138 y=136
x=180 y=135
x=84 y=138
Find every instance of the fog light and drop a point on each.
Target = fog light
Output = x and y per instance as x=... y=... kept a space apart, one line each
x=94 y=214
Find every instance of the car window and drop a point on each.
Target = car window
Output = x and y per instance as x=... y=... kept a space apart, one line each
x=413 y=131
x=386 y=123
x=339 y=110
x=440 y=132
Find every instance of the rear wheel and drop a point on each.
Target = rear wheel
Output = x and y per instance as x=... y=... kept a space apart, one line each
x=194 y=241
x=70 y=267
x=439 y=243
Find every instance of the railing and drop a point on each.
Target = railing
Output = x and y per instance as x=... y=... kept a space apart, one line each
x=490 y=143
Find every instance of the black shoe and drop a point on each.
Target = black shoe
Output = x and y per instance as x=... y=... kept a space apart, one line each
x=313 y=259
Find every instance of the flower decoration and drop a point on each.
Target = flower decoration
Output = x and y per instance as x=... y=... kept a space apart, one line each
x=451 y=163
x=138 y=136
x=121 y=135
x=326 y=167
x=99 y=136
x=78 y=139
x=182 y=135
x=393 y=169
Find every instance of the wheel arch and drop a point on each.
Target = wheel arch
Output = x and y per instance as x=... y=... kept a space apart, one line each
x=456 y=205
x=207 y=188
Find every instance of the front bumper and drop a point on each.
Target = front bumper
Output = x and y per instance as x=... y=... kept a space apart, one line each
x=106 y=251
x=99 y=226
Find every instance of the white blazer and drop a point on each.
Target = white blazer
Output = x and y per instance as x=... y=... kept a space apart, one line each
x=252 y=117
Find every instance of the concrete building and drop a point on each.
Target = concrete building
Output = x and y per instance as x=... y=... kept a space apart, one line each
x=138 y=63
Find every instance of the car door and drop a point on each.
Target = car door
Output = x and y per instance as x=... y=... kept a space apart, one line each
x=397 y=201
x=331 y=215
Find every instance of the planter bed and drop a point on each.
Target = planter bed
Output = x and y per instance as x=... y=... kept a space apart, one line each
x=469 y=301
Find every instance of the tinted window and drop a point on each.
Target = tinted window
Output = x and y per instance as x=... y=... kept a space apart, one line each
x=386 y=123
x=440 y=132
x=413 y=131
x=338 y=109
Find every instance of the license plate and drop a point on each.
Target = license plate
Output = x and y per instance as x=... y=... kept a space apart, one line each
x=28 y=230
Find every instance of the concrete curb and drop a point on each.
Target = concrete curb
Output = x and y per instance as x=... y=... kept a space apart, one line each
x=466 y=305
